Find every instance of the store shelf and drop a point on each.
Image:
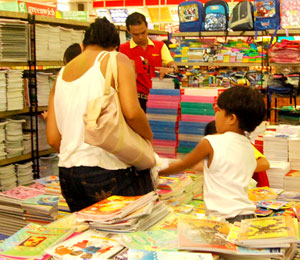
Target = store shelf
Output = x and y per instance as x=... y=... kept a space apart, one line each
x=219 y=64
x=59 y=21
x=150 y=31
x=15 y=159
x=285 y=64
x=236 y=33
x=50 y=63
x=13 y=64
x=42 y=108
x=13 y=15
x=46 y=152
x=14 y=112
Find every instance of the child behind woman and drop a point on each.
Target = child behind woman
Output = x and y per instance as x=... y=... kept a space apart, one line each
x=229 y=160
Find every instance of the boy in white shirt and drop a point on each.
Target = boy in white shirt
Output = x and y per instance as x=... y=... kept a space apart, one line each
x=229 y=159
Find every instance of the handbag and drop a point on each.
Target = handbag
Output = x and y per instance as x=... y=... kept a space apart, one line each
x=106 y=127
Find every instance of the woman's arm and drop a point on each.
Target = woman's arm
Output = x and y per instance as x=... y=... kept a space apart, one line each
x=53 y=135
x=200 y=152
x=262 y=164
x=133 y=113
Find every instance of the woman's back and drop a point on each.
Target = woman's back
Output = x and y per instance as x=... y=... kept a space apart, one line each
x=78 y=83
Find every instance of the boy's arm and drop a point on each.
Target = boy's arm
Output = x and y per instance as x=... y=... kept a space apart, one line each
x=201 y=151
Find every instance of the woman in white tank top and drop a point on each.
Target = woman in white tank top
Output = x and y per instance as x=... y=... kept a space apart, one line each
x=88 y=173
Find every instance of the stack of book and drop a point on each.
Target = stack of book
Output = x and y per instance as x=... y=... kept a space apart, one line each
x=14 y=137
x=11 y=212
x=8 y=178
x=32 y=241
x=24 y=173
x=124 y=213
x=292 y=181
x=276 y=146
x=43 y=87
x=2 y=140
x=277 y=172
x=196 y=111
x=163 y=114
x=54 y=43
x=294 y=153
x=14 y=39
x=3 y=99
x=14 y=90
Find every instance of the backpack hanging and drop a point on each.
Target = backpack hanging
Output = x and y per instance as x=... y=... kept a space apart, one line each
x=190 y=16
x=266 y=14
x=215 y=15
x=241 y=18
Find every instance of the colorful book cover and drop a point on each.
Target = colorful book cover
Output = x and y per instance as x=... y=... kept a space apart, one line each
x=154 y=240
x=261 y=193
x=271 y=204
x=293 y=173
x=32 y=241
x=43 y=199
x=280 y=227
x=263 y=212
x=21 y=193
x=297 y=211
x=91 y=244
x=204 y=235
x=134 y=254
x=115 y=206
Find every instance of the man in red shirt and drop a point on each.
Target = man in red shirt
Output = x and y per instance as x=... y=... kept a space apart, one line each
x=149 y=56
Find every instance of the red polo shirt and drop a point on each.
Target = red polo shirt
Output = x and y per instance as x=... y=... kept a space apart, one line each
x=145 y=62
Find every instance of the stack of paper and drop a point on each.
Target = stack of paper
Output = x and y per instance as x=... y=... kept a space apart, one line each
x=24 y=173
x=77 y=36
x=15 y=90
x=2 y=140
x=276 y=173
x=276 y=146
x=166 y=83
x=14 y=137
x=124 y=213
x=163 y=114
x=292 y=181
x=294 y=153
x=42 y=40
x=65 y=36
x=11 y=212
x=8 y=178
x=27 y=142
x=43 y=87
x=54 y=43
x=14 y=38
x=3 y=98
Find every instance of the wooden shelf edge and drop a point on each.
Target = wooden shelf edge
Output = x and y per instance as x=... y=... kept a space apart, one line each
x=284 y=64
x=14 y=112
x=63 y=22
x=46 y=152
x=19 y=158
x=14 y=15
x=219 y=64
x=50 y=63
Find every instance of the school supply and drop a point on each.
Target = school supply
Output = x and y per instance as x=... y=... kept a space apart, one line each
x=216 y=15
x=290 y=14
x=106 y=127
x=266 y=14
x=241 y=18
x=190 y=16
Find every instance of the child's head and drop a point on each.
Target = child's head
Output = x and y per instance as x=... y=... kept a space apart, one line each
x=244 y=102
x=71 y=52
x=210 y=128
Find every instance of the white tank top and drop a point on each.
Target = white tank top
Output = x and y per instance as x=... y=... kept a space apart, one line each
x=70 y=101
x=227 y=178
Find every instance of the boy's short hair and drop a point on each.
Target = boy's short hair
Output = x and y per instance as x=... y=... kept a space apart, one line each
x=71 y=52
x=246 y=103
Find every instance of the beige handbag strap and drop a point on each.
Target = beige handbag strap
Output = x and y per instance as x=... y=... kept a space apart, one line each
x=111 y=71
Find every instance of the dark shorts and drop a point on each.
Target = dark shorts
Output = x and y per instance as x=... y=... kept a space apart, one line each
x=83 y=186
x=240 y=217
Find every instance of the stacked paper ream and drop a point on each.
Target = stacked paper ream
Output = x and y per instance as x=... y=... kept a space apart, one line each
x=14 y=90
x=163 y=113
x=24 y=173
x=276 y=146
x=292 y=181
x=276 y=173
x=2 y=140
x=8 y=178
x=14 y=137
x=196 y=111
x=43 y=87
x=3 y=99
x=294 y=153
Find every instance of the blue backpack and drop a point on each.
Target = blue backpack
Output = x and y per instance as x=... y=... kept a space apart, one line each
x=190 y=16
x=215 y=15
x=266 y=14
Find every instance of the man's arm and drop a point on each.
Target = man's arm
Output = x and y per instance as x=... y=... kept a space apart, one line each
x=167 y=60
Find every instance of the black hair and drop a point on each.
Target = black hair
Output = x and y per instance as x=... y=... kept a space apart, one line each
x=103 y=33
x=135 y=19
x=71 y=52
x=246 y=103
x=210 y=128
